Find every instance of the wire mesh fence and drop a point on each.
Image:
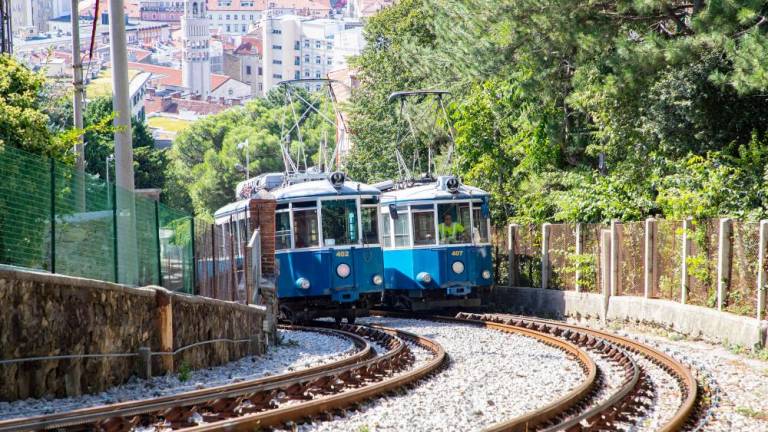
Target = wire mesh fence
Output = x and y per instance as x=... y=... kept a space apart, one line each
x=669 y=258
x=528 y=255
x=499 y=244
x=701 y=262
x=631 y=258
x=561 y=248
x=54 y=219
x=742 y=296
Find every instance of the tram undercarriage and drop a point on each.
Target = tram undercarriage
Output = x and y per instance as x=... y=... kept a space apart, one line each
x=304 y=309
x=422 y=300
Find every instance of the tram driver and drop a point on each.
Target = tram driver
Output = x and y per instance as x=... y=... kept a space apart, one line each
x=451 y=232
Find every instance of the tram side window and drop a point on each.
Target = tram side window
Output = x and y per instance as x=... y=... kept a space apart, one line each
x=339 y=222
x=480 y=228
x=305 y=230
x=370 y=221
x=423 y=225
x=384 y=226
x=454 y=223
x=402 y=233
x=283 y=230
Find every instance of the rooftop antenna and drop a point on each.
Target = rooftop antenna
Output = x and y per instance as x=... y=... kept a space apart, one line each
x=310 y=107
x=403 y=96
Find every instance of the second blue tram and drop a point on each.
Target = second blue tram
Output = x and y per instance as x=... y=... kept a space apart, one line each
x=435 y=237
x=327 y=251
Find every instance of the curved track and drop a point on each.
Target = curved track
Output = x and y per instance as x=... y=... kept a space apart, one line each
x=599 y=407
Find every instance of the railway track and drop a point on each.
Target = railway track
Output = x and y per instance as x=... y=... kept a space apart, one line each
x=599 y=405
x=251 y=402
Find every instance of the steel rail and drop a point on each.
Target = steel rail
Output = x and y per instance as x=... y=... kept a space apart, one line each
x=337 y=401
x=143 y=406
x=684 y=376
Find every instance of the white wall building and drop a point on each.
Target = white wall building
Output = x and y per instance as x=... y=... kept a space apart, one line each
x=31 y=16
x=195 y=55
x=237 y=17
x=296 y=47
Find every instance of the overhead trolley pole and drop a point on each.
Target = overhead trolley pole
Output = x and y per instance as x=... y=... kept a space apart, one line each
x=6 y=30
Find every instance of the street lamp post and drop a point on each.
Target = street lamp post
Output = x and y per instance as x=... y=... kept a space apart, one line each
x=106 y=170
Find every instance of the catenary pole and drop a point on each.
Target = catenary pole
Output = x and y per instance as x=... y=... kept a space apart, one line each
x=79 y=97
x=126 y=233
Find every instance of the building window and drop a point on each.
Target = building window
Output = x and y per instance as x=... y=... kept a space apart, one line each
x=278 y=76
x=243 y=28
x=229 y=29
x=277 y=31
x=297 y=61
x=247 y=70
x=306 y=44
x=227 y=17
x=317 y=74
x=306 y=74
x=261 y=71
x=277 y=47
x=317 y=44
x=297 y=45
x=330 y=60
x=318 y=60
x=277 y=62
x=329 y=45
x=297 y=75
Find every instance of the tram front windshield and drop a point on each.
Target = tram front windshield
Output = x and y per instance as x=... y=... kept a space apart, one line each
x=454 y=223
x=339 y=222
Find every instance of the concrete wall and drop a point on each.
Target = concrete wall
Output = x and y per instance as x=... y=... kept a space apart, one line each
x=51 y=315
x=694 y=321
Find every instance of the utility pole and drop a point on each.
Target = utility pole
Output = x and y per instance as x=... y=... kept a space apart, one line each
x=6 y=32
x=126 y=232
x=77 y=82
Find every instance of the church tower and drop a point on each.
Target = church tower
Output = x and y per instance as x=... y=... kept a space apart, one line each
x=195 y=52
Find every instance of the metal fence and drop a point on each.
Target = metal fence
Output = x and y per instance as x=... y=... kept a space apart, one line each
x=55 y=220
x=717 y=263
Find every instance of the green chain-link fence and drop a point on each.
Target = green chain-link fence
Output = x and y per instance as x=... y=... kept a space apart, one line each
x=55 y=220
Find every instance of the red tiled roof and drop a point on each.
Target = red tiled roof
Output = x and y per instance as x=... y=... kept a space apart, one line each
x=169 y=76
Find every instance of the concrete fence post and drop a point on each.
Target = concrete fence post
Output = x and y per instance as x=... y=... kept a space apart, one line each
x=579 y=251
x=724 y=262
x=614 y=268
x=605 y=268
x=650 y=258
x=164 y=327
x=545 y=267
x=685 y=252
x=512 y=233
x=761 y=270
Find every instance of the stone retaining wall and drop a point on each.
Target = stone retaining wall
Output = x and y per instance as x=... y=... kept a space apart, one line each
x=48 y=315
x=695 y=321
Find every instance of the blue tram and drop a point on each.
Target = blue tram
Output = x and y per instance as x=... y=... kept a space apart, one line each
x=435 y=237
x=327 y=251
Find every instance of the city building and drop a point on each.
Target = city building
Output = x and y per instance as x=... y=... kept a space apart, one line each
x=244 y=64
x=161 y=10
x=195 y=49
x=240 y=16
x=296 y=47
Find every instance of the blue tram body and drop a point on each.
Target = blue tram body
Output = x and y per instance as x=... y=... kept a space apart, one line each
x=436 y=239
x=327 y=251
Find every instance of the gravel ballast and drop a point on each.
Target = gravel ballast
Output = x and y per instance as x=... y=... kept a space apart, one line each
x=491 y=377
x=299 y=350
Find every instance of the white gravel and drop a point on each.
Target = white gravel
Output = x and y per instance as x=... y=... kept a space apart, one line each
x=742 y=381
x=300 y=350
x=492 y=376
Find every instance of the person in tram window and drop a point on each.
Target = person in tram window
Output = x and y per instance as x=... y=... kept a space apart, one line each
x=451 y=232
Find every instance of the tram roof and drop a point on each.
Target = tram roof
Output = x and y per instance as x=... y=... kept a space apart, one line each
x=322 y=188
x=307 y=190
x=431 y=192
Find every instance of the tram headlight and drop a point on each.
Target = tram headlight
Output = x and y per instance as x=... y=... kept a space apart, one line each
x=378 y=280
x=302 y=283
x=343 y=270
x=424 y=277
x=486 y=274
x=457 y=267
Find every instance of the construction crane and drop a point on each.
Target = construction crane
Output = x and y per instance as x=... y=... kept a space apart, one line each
x=6 y=35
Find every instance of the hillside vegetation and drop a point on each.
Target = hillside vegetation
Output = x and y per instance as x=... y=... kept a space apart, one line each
x=670 y=94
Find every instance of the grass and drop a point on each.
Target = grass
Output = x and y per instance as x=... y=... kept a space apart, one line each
x=168 y=124
x=751 y=413
x=102 y=86
x=184 y=372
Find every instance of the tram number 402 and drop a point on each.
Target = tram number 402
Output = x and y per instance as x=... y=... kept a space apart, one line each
x=340 y=254
x=457 y=253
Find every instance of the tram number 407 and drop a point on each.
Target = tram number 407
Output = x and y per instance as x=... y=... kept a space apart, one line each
x=340 y=254
x=457 y=253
